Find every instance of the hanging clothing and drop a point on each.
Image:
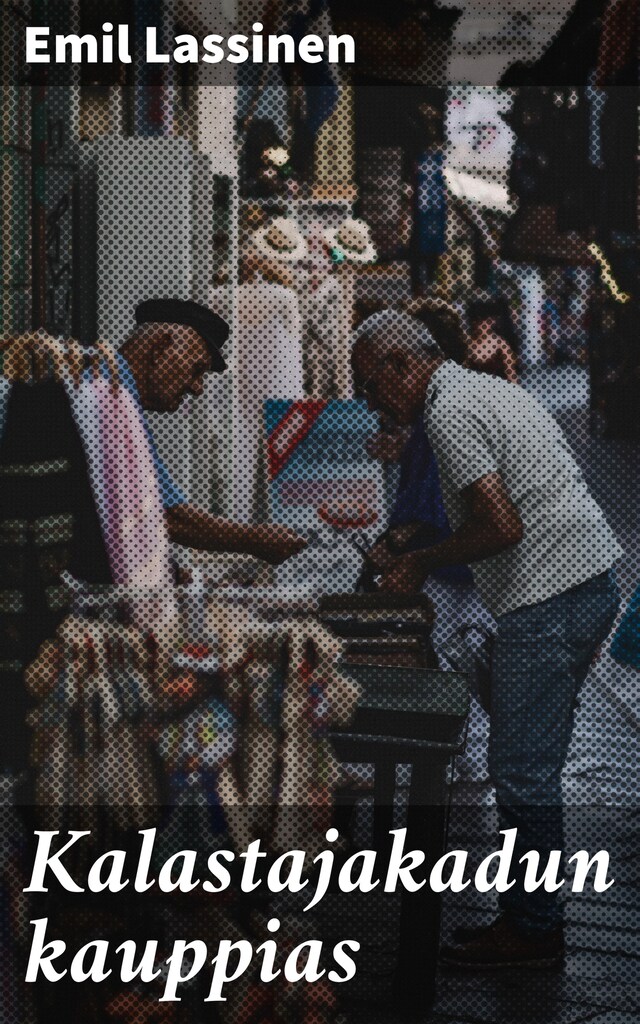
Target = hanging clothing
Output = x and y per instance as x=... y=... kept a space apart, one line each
x=124 y=483
x=269 y=366
x=172 y=495
x=48 y=523
x=431 y=203
x=323 y=332
x=91 y=747
x=79 y=494
x=286 y=693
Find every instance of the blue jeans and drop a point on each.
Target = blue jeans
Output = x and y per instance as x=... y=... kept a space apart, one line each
x=540 y=659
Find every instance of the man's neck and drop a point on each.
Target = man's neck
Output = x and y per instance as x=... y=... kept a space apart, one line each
x=424 y=372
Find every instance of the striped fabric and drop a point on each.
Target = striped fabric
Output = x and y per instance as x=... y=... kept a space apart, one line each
x=48 y=523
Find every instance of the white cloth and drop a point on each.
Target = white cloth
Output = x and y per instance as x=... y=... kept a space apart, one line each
x=269 y=366
x=478 y=424
x=324 y=336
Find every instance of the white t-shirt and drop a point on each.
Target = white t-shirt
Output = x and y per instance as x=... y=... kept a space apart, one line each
x=479 y=424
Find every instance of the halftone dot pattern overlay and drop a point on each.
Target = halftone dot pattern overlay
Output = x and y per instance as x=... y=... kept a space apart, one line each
x=382 y=506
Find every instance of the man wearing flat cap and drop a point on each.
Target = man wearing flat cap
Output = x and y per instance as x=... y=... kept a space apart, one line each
x=49 y=514
x=174 y=345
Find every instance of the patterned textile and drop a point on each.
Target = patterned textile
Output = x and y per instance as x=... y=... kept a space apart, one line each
x=97 y=684
x=78 y=493
x=285 y=694
x=48 y=524
x=126 y=491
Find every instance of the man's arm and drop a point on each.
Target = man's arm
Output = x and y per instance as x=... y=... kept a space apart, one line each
x=492 y=525
x=195 y=528
x=510 y=364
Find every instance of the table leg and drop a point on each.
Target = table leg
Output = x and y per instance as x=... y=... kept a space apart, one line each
x=383 y=797
x=421 y=911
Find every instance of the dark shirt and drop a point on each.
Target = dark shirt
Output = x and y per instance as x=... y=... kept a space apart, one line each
x=419 y=500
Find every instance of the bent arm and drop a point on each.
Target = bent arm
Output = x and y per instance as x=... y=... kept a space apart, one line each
x=196 y=528
x=492 y=525
x=510 y=364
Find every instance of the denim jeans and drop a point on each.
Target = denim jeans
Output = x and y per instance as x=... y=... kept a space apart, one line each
x=540 y=659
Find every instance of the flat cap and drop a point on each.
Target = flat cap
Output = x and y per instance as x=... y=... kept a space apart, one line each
x=213 y=330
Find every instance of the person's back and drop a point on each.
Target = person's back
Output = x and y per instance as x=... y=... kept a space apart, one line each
x=480 y=425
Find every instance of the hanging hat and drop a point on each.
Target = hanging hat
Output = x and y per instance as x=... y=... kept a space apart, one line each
x=281 y=240
x=353 y=239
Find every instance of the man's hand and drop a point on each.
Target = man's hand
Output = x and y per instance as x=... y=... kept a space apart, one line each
x=384 y=554
x=33 y=356
x=38 y=356
x=275 y=543
x=380 y=557
x=403 y=575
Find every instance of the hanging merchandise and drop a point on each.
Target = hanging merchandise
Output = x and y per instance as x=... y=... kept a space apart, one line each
x=328 y=308
x=608 y=279
x=286 y=694
x=48 y=522
x=430 y=218
x=270 y=361
x=265 y=166
x=351 y=242
x=124 y=481
x=546 y=124
x=116 y=456
x=280 y=240
x=334 y=155
x=193 y=750
x=573 y=171
x=431 y=203
x=324 y=317
x=386 y=199
x=96 y=685
x=616 y=190
x=57 y=513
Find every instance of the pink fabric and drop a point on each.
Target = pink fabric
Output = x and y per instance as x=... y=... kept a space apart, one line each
x=124 y=484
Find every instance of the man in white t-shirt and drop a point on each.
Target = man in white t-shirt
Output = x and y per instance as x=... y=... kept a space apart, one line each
x=542 y=555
